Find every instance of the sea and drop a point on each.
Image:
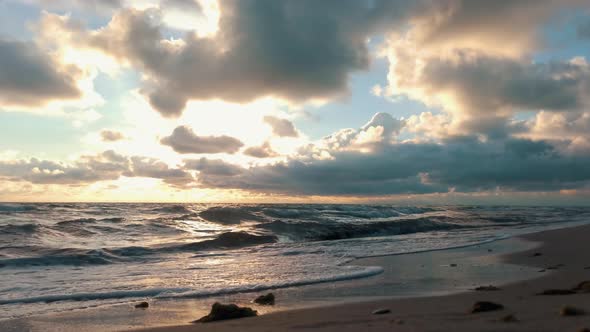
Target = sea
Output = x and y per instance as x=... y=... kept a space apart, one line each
x=58 y=257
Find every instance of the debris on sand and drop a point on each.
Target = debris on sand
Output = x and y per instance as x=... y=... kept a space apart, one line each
x=509 y=319
x=583 y=287
x=142 y=305
x=483 y=306
x=487 y=288
x=571 y=311
x=381 y=311
x=226 y=311
x=557 y=292
x=268 y=299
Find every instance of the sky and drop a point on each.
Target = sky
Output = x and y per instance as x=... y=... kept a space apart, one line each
x=302 y=101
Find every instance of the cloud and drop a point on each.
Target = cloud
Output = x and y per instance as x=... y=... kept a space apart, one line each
x=111 y=136
x=184 y=140
x=101 y=6
x=482 y=24
x=153 y=168
x=390 y=125
x=29 y=77
x=308 y=54
x=213 y=167
x=281 y=127
x=474 y=83
x=461 y=164
x=91 y=169
x=263 y=151
x=383 y=128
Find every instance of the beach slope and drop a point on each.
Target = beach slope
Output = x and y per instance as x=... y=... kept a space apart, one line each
x=564 y=253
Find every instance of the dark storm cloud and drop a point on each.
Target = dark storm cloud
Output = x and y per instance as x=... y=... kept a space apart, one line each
x=281 y=127
x=295 y=49
x=30 y=77
x=184 y=140
x=463 y=164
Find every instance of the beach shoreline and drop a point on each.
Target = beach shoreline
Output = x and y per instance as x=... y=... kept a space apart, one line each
x=560 y=252
x=416 y=310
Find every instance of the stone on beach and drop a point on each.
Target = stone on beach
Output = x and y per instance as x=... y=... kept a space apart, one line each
x=142 y=305
x=557 y=292
x=510 y=318
x=268 y=299
x=487 y=288
x=226 y=311
x=483 y=306
x=583 y=287
x=571 y=311
x=382 y=311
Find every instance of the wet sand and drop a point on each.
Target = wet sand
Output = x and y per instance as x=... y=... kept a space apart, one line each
x=564 y=253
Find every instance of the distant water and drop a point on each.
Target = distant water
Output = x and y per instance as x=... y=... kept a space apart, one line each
x=63 y=256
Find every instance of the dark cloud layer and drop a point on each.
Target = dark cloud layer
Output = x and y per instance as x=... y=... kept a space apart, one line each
x=184 y=140
x=462 y=164
x=30 y=77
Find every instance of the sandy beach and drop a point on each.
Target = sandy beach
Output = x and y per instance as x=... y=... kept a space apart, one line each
x=564 y=252
x=428 y=291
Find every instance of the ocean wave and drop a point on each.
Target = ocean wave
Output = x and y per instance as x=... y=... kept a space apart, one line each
x=228 y=240
x=228 y=215
x=68 y=256
x=172 y=209
x=322 y=231
x=17 y=208
x=171 y=293
x=20 y=229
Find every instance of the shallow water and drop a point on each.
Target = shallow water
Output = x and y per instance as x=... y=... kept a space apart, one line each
x=56 y=257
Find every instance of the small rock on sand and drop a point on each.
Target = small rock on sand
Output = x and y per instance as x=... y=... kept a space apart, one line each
x=583 y=287
x=509 y=319
x=268 y=299
x=537 y=254
x=486 y=288
x=226 y=311
x=142 y=305
x=453 y=265
x=382 y=311
x=557 y=292
x=483 y=306
x=571 y=311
